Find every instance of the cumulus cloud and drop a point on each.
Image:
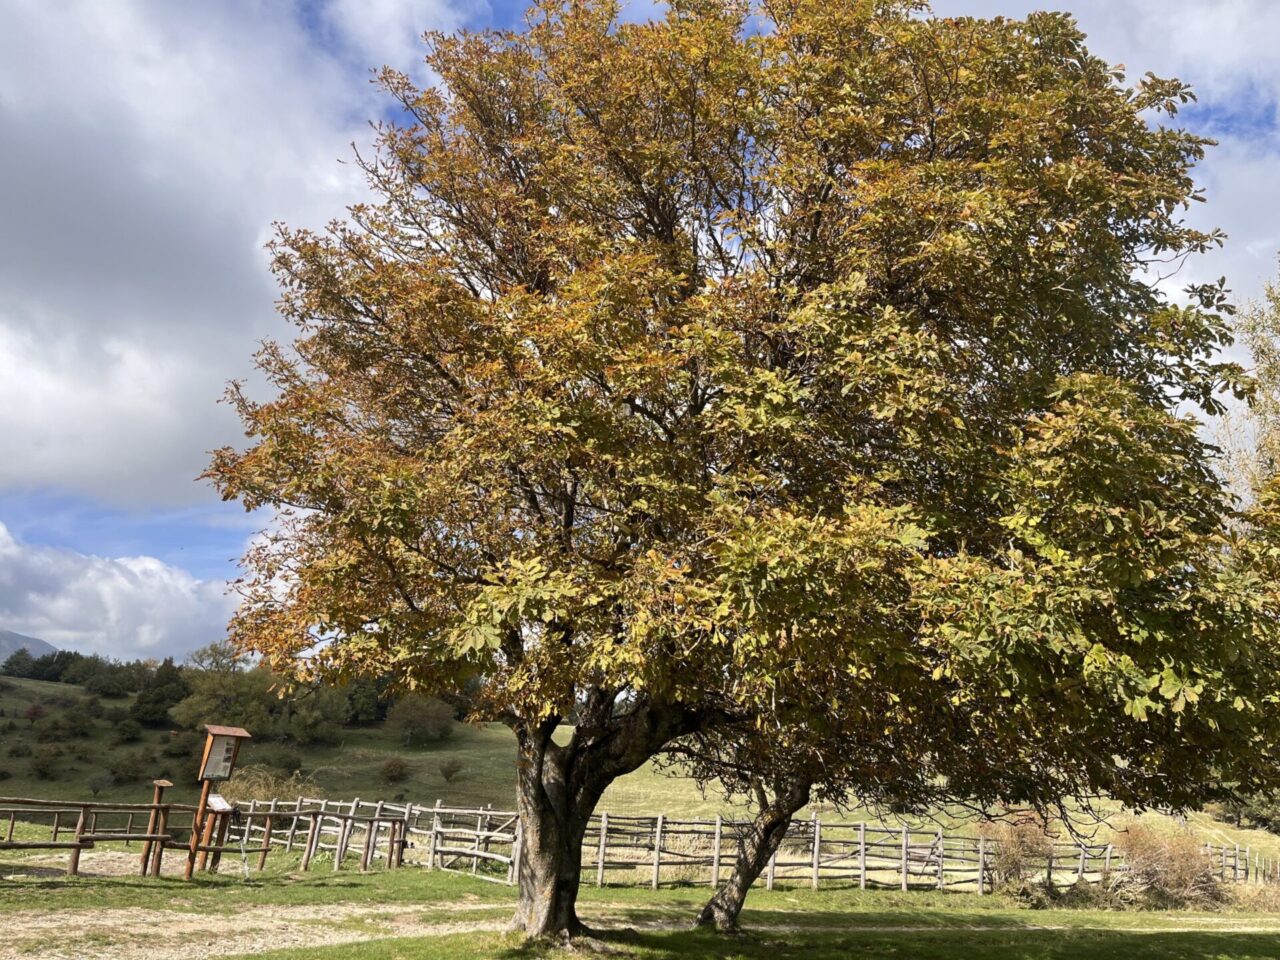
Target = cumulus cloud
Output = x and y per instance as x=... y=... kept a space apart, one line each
x=148 y=148
x=121 y=607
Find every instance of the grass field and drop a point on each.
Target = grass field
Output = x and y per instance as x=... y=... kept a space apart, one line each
x=284 y=915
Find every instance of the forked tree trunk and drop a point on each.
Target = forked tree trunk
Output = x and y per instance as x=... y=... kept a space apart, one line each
x=761 y=842
x=551 y=832
x=557 y=791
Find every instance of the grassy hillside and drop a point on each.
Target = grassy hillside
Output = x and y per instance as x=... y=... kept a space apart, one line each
x=351 y=768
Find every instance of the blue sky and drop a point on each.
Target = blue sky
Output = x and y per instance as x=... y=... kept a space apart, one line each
x=148 y=146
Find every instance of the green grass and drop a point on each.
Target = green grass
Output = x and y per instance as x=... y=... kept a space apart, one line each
x=633 y=923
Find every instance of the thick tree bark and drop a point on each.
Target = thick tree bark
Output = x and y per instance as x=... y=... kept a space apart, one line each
x=557 y=791
x=761 y=842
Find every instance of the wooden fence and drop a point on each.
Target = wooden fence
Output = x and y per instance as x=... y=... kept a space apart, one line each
x=624 y=850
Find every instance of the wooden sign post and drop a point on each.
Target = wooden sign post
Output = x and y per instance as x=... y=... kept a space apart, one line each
x=221 y=748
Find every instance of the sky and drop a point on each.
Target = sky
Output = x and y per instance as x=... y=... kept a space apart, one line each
x=146 y=148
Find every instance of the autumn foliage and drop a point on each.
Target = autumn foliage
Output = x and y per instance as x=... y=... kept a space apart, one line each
x=798 y=366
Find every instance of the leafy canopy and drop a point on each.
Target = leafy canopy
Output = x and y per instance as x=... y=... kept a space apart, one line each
x=677 y=365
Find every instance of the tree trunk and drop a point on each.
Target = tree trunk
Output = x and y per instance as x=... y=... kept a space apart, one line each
x=557 y=791
x=762 y=841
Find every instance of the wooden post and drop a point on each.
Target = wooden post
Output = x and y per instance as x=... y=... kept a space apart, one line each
x=816 y=856
x=13 y=816
x=982 y=866
x=715 y=853
x=197 y=827
x=1049 y=871
x=404 y=835
x=942 y=858
x=1235 y=866
x=377 y=820
x=128 y=826
x=773 y=866
x=516 y=849
x=293 y=829
x=862 y=856
x=657 y=850
x=475 y=860
x=906 y=840
x=73 y=865
x=1084 y=853
x=266 y=841
x=157 y=854
x=224 y=824
x=153 y=821
x=57 y=824
x=602 y=848
x=313 y=836
x=1106 y=864
x=366 y=851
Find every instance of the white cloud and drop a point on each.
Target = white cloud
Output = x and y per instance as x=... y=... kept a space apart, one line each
x=121 y=607
x=148 y=146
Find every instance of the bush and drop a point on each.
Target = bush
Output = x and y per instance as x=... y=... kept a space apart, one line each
x=394 y=770
x=20 y=750
x=450 y=769
x=1164 y=869
x=100 y=782
x=1020 y=852
x=258 y=782
x=132 y=767
x=45 y=763
x=127 y=731
x=418 y=719
x=186 y=744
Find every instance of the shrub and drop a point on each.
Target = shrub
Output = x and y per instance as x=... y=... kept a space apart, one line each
x=34 y=713
x=419 y=719
x=1020 y=851
x=132 y=767
x=100 y=782
x=127 y=731
x=450 y=769
x=185 y=744
x=5 y=774
x=394 y=770
x=45 y=763
x=20 y=750
x=258 y=782
x=283 y=759
x=1165 y=869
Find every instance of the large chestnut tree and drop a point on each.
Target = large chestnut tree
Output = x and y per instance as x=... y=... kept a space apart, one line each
x=674 y=363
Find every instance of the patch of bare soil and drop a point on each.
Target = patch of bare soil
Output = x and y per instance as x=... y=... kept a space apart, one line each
x=140 y=934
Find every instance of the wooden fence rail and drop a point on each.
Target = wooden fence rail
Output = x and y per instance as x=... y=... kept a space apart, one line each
x=618 y=849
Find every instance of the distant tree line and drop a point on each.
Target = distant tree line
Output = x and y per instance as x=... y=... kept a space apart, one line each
x=216 y=686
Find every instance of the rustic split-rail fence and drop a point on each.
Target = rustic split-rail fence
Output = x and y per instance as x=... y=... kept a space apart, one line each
x=619 y=849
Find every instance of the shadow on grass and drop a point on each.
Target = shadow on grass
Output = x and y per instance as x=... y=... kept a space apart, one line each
x=955 y=944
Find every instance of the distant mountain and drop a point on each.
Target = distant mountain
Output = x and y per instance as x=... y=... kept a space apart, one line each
x=11 y=643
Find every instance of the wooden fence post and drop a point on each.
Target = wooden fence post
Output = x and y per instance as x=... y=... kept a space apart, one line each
x=942 y=861
x=817 y=849
x=1235 y=866
x=982 y=866
x=313 y=841
x=715 y=853
x=906 y=840
x=602 y=848
x=1049 y=868
x=862 y=856
x=657 y=850
x=157 y=854
x=266 y=836
x=773 y=866
x=1083 y=862
x=1106 y=864
x=73 y=865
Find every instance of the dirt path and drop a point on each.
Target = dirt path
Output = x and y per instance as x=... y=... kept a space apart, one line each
x=140 y=934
